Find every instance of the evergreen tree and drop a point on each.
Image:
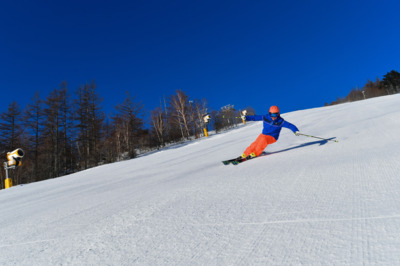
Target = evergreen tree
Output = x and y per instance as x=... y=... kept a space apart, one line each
x=391 y=82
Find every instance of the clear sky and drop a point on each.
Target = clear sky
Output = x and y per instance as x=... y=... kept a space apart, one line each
x=295 y=54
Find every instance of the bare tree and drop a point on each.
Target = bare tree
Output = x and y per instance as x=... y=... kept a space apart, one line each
x=128 y=125
x=33 y=122
x=10 y=126
x=11 y=132
x=199 y=111
x=111 y=146
x=53 y=133
x=159 y=124
x=89 y=120
x=179 y=104
x=373 y=89
x=355 y=95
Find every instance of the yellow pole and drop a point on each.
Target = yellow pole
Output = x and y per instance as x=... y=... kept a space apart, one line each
x=205 y=132
x=8 y=183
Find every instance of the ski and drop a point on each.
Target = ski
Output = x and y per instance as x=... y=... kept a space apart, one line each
x=233 y=161
x=240 y=159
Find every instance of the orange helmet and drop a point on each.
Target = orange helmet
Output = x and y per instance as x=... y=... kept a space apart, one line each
x=274 y=109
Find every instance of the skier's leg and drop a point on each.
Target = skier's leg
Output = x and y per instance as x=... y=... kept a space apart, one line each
x=263 y=143
x=253 y=146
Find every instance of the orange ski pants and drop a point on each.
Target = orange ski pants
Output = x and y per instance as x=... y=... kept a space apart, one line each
x=259 y=144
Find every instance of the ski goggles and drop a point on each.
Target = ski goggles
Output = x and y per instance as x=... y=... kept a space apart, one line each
x=273 y=114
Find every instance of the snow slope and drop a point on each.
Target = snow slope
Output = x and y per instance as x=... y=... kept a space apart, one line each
x=306 y=202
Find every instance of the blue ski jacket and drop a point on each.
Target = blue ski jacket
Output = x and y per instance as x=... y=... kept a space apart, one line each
x=272 y=127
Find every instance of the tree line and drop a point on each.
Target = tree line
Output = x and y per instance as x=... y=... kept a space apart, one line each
x=390 y=84
x=63 y=133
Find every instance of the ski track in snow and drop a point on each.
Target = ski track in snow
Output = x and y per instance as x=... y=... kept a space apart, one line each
x=308 y=201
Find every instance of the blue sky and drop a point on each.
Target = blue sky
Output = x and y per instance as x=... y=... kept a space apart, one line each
x=295 y=54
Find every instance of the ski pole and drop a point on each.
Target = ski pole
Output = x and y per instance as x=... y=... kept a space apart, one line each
x=317 y=137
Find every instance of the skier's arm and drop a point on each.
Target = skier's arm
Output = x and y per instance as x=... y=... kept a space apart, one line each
x=254 y=117
x=290 y=126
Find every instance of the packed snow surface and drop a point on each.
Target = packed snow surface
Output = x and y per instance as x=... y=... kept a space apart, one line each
x=307 y=202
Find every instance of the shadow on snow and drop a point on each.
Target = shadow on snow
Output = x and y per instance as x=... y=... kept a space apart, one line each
x=320 y=142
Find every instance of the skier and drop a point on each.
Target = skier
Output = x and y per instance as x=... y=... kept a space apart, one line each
x=273 y=124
